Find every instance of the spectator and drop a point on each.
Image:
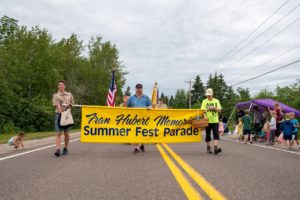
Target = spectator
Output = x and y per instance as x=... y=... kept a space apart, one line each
x=125 y=99
x=287 y=129
x=239 y=114
x=279 y=118
x=17 y=141
x=272 y=128
x=295 y=130
x=257 y=120
x=161 y=104
x=240 y=129
x=221 y=128
x=247 y=121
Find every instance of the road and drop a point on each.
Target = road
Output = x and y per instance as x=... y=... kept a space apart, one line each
x=111 y=171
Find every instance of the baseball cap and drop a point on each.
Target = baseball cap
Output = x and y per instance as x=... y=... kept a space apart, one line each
x=209 y=92
x=138 y=86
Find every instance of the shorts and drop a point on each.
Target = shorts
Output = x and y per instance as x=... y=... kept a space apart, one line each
x=296 y=135
x=214 y=127
x=56 y=124
x=247 y=132
x=287 y=137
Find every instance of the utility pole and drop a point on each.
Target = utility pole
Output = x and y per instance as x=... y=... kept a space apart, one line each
x=190 y=92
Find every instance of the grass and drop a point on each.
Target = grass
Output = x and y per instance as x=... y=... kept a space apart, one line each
x=30 y=136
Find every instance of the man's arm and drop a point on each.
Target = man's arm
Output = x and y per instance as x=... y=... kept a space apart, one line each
x=218 y=108
x=56 y=103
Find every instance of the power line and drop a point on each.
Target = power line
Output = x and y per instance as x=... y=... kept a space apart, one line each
x=250 y=34
x=269 y=61
x=262 y=44
x=266 y=30
x=269 y=72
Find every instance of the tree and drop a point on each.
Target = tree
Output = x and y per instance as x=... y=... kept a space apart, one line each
x=31 y=63
x=171 y=102
x=180 y=100
x=264 y=94
x=244 y=94
x=198 y=90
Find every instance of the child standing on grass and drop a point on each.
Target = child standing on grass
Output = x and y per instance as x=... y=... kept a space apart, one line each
x=240 y=129
x=295 y=130
x=17 y=141
x=247 y=121
x=272 y=128
x=287 y=129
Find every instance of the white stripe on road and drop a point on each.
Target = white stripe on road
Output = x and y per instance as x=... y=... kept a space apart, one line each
x=34 y=150
x=266 y=147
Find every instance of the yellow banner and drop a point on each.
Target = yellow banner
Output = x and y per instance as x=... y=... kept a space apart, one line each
x=137 y=125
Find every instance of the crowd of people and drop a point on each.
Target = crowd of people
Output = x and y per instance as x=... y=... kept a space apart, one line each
x=268 y=125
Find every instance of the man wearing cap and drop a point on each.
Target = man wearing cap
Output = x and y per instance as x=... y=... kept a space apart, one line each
x=139 y=100
x=212 y=107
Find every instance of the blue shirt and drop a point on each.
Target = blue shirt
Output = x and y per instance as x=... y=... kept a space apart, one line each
x=142 y=102
x=295 y=123
x=287 y=127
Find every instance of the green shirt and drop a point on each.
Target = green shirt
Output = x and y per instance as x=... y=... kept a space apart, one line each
x=213 y=116
x=247 y=122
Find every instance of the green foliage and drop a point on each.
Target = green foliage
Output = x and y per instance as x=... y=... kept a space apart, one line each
x=264 y=94
x=228 y=98
x=198 y=91
x=171 y=102
x=31 y=63
x=244 y=94
x=180 y=100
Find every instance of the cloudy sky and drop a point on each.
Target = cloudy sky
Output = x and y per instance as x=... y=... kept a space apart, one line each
x=171 y=41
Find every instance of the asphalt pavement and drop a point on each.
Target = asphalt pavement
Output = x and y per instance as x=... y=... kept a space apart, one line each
x=111 y=171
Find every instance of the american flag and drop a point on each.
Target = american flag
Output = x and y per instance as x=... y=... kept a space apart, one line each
x=112 y=91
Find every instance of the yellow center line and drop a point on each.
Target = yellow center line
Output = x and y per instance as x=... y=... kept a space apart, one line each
x=210 y=190
x=188 y=189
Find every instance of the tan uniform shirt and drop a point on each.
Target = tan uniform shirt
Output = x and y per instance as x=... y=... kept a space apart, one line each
x=60 y=98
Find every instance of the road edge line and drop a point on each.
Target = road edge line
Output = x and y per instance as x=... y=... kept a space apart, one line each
x=34 y=150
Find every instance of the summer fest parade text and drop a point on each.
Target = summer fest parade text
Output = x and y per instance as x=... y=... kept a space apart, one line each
x=138 y=125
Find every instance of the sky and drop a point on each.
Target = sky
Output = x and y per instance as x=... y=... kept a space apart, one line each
x=172 y=41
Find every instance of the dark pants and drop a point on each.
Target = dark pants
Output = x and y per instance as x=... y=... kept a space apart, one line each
x=272 y=136
x=257 y=128
x=277 y=132
x=214 y=127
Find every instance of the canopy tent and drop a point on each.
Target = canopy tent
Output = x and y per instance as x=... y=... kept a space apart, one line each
x=262 y=104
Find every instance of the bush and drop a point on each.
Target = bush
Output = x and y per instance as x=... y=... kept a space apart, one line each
x=10 y=128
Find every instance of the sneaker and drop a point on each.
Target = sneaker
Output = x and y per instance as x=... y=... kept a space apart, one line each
x=217 y=150
x=142 y=148
x=251 y=142
x=209 y=149
x=57 y=153
x=136 y=150
x=65 y=151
